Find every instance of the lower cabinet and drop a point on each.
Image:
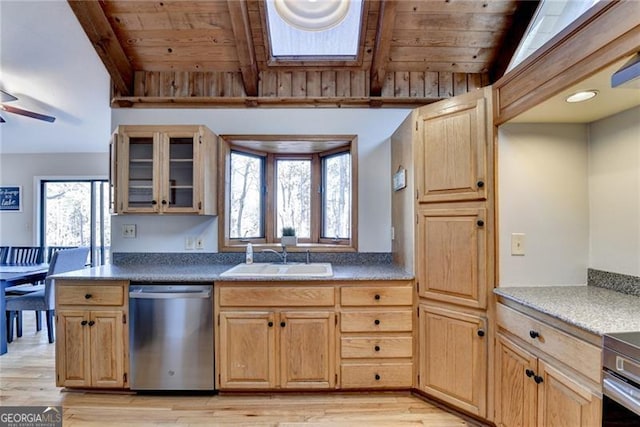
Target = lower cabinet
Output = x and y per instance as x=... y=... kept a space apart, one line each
x=544 y=375
x=91 y=345
x=453 y=357
x=277 y=349
x=92 y=334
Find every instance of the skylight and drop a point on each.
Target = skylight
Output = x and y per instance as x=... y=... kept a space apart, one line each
x=340 y=41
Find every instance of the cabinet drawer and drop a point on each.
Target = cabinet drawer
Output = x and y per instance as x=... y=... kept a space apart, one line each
x=376 y=321
x=376 y=295
x=281 y=296
x=376 y=347
x=578 y=354
x=374 y=375
x=90 y=295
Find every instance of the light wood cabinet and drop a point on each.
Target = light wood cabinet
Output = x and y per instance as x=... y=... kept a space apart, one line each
x=164 y=169
x=91 y=347
x=452 y=263
x=376 y=336
x=452 y=148
x=533 y=387
x=453 y=363
x=276 y=337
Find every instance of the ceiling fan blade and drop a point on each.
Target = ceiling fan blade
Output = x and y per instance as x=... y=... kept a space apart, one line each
x=10 y=109
x=6 y=97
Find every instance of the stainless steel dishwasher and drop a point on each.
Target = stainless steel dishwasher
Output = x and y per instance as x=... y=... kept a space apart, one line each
x=171 y=336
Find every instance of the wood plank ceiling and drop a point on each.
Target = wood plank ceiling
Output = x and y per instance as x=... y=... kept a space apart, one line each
x=191 y=53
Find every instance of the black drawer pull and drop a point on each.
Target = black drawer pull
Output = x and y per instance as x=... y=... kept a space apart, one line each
x=377 y=322
x=153 y=202
x=91 y=323
x=533 y=334
x=88 y=296
x=480 y=223
x=537 y=379
x=377 y=377
x=164 y=202
x=377 y=297
x=84 y=323
x=270 y=324
x=480 y=332
x=480 y=184
x=283 y=324
x=529 y=373
x=376 y=348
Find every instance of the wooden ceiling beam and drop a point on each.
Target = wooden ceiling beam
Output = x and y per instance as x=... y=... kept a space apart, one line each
x=382 y=47
x=244 y=45
x=96 y=25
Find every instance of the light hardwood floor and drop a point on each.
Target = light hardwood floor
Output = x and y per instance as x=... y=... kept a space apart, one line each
x=27 y=378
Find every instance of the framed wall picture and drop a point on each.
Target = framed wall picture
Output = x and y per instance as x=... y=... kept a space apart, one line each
x=10 y=198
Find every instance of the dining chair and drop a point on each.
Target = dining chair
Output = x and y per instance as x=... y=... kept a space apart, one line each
x=44 y=299
x=4 y=253
x=53 y=249
x=25 y=255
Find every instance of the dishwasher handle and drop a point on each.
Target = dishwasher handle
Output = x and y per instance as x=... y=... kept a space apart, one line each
x=171 y=295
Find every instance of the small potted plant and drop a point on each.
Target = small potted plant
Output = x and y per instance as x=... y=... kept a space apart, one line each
x=289 y=236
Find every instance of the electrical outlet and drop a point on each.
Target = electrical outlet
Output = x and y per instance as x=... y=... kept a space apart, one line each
x=517 y=244
x=129 y=231
x=199 y=243
x=189 y=243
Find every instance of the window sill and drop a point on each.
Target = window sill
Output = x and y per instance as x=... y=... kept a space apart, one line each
x=301 y=247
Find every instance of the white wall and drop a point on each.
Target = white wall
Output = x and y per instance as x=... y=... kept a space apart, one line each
x=542 y=192
x=614 y=193
x=17 y=228
x=373 y=127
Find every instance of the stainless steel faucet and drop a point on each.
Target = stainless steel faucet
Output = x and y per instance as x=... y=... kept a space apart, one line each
x=283 y=255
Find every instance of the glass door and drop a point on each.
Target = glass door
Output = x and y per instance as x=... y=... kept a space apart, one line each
x=76 y=213
x=179 y=194
x=139 y=183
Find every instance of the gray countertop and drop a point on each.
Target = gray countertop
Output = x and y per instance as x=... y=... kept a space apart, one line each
x=594 y=309
x=211 y=272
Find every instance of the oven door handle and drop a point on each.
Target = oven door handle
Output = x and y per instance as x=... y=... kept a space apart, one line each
x=621 y=392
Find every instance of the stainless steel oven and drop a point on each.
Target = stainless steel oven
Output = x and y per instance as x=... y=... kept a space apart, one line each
x=621 y=379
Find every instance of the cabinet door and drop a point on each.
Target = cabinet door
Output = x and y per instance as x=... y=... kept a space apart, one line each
x=452 y=250
x=107 y=349
x=138 y=157
x=247 y=350
x=179 y=175
x=307 y=350
x=452 y=140
x=72 y=349
x=564 y=402
x=515 y=388
x=453 y=358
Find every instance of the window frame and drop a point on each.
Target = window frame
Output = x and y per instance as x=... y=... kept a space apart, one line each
x=278 y=147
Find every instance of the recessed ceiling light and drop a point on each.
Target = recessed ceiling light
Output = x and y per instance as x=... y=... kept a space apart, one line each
x=583 y=95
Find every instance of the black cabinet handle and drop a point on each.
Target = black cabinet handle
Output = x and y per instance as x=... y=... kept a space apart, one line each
x=480 y=184
x=153 y=202
x=480 y=332
x=164 y=202
x=377 y=296
x=283 y=324
x=377 y=377
x=376 y=348
x=377 y=322
x=533 y=334
x=88 y=296
x=480 y=223
x=529 y=373
x=91 y=323
x=270 y=324
x=537 y=379
x=84 y=323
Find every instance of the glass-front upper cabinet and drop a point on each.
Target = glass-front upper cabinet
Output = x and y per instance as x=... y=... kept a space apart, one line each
x=165 y=169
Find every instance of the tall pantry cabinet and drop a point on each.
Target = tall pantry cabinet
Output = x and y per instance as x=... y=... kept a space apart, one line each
x=452 y=142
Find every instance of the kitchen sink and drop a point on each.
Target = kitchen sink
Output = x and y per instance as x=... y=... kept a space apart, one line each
x=280 y=270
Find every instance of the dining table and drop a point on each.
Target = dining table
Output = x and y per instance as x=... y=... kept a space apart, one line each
x=15 y=274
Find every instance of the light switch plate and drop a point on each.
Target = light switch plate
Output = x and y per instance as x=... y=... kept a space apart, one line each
x=517 y=244
x=129 y=231
x=189 y=243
